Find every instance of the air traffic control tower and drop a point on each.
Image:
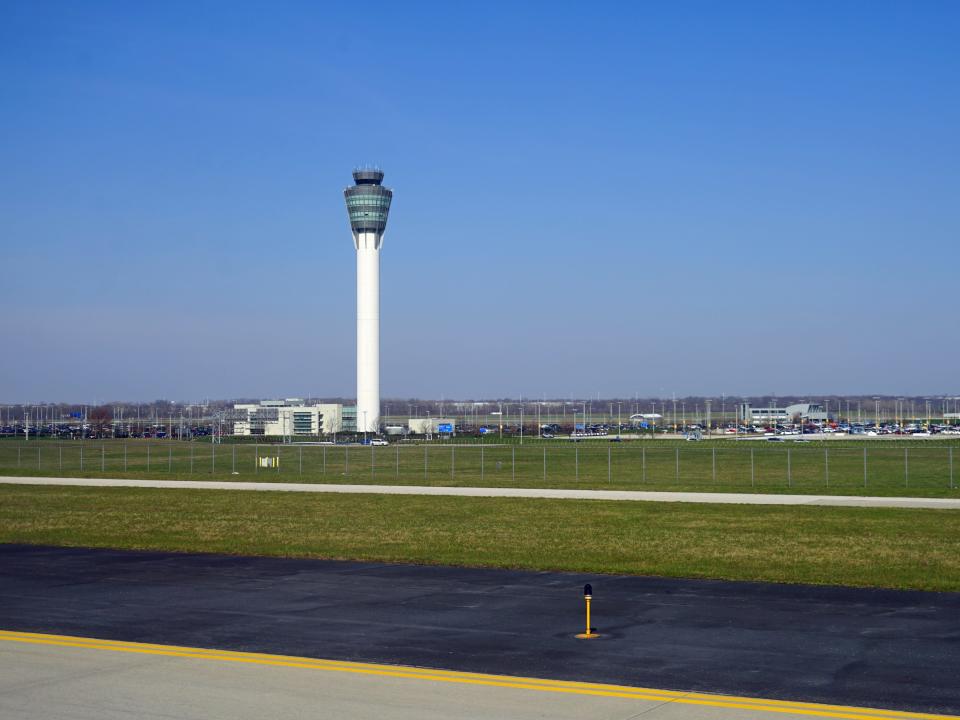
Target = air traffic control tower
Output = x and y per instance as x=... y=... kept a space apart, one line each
x=368 y=205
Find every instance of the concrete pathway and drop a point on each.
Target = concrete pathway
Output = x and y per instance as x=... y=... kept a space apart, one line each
x=689 y=497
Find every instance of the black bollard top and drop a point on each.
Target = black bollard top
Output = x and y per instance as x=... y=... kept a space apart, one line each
x=588 y=591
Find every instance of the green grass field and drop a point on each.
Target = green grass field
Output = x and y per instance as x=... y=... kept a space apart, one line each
x=916 y=468
x=895 y=548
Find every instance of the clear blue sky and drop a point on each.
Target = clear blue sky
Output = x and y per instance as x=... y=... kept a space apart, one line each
x=613 y=198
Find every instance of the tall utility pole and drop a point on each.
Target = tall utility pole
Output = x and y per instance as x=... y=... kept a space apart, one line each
x=368 y=206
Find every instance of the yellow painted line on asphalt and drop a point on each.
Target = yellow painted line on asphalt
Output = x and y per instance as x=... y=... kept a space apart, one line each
x=451 y=676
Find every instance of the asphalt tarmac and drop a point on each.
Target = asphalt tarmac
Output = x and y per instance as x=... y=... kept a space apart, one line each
x=872 y=648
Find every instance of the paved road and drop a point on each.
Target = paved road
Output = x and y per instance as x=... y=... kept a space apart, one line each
x=690 y=497
x=870 y=648
x=43 y=676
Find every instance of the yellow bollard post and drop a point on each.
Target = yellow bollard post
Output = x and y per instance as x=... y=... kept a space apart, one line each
x=588 y=596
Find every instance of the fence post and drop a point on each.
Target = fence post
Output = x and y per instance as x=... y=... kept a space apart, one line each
x=60 y=457
x=906 y=467
x=714 y=464
x=544 y=463
x=81 y=456
x=38 y=454
x=398 y=462
x=643 y=464
x=213 y=458
x=424 y=462
x=513 y=463
x=753 y=482
x=373 y=462
x=301 y=460
x=103 y=458
x=576 y=462
x=609 y=472
x=678 y=465
x=324 y=470
x=789 y=474
x=233 y=459
x=169 y=458
x=481 y=463
x=826 y=466
x=346 y=460
x=453 y=461
x=191 y=457
x=124 y=457
x=950 y=455
x=256 y=458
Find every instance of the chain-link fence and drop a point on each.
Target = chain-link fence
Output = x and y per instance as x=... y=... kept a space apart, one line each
x=889 y=469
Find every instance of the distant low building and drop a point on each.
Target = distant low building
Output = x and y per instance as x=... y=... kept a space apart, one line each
x=431 y=425
x=802 y=412
x=291 y=417
x=756 y=416
x=807 y=412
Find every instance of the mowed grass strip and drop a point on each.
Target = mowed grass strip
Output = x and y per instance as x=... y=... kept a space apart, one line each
x=894 y=548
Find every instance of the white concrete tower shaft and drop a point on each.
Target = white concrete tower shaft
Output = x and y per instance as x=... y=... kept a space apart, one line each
x=368 y=332
x=368 y=205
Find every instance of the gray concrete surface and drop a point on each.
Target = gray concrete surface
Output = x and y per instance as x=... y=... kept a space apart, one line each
x=55 y=682
x=636 y=495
